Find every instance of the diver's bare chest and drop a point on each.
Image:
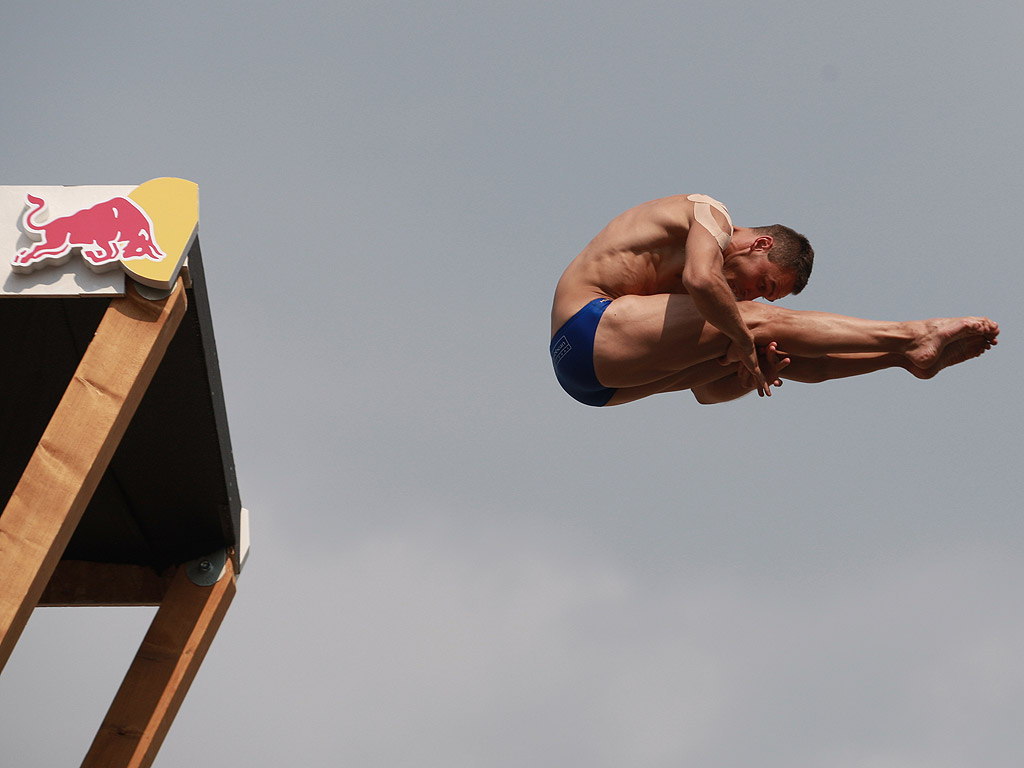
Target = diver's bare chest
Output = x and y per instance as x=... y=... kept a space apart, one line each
x=670 y=284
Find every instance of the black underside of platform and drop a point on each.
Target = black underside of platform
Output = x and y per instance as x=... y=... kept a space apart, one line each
x=169 y=494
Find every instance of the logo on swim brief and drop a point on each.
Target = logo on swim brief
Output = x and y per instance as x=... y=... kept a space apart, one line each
x=561 y=349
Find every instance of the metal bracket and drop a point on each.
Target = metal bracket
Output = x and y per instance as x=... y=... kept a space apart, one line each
x=150 y=293
x=206 y=571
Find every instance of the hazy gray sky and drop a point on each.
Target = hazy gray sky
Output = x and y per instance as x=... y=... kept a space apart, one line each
x=453 y=563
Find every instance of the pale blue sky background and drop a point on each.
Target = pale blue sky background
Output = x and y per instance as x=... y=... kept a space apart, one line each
x=453 y=563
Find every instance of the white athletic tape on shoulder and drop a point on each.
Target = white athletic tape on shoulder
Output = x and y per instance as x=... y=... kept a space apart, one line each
x=704 y=217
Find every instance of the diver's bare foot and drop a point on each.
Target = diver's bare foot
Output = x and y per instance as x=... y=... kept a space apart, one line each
x=926 y=350
x=957 y=351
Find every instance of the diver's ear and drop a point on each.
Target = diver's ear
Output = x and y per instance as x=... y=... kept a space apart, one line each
x=763 y=243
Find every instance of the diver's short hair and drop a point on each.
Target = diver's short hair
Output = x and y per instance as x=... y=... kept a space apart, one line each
x=791 y=251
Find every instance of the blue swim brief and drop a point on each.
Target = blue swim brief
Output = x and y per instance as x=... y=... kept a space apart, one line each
x=572 y=354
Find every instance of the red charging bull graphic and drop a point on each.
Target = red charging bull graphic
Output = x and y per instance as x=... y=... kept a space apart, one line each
x=107 y=233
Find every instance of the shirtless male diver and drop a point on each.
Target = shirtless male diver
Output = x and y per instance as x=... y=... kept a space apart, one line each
x=662 y=300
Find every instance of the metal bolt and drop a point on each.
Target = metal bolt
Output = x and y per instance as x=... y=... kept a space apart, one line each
x=204 y=571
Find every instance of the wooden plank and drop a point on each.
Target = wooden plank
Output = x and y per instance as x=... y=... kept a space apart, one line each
x=160 y=676
x=75 y=449
x=79 y=583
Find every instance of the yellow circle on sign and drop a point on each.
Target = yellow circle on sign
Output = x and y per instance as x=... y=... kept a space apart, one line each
x=173 y=207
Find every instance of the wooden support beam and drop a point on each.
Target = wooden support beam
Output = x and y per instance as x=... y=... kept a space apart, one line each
x=163 y=670
x=76 y=583
x=75 y=449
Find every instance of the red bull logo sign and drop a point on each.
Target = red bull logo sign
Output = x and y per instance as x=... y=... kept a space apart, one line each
x=105 y=234
x=143 y=232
